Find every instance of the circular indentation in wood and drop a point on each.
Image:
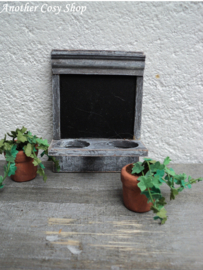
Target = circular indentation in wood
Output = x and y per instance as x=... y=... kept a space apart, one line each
x=77 y=144
x=124 y=144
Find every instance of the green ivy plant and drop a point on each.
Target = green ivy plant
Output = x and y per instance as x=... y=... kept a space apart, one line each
x=21 y=139
x=152 y=174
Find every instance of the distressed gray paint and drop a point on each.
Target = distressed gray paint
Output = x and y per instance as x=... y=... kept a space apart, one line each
x=100 y=71
x=104 y=64
x=100 y=63
x=93 y=163
x=39 y=220
x=56 y=107
x=97 y=147
x=138 y=108
x=90 y=54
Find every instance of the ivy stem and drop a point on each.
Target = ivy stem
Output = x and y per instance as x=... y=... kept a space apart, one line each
x=150 y=196
x=6 y=173
x=149 y=166
x=164 y=180
x=173 y=181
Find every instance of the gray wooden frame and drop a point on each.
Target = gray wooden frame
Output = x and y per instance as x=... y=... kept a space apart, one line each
x=56 y=107
x=98 y=63
x=99 y=156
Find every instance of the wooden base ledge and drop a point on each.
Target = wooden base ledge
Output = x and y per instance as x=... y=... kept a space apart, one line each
x=96 y=155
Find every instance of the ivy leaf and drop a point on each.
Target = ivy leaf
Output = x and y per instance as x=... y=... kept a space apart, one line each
x=170 y=171
x=161 y=215
x=149 y=173
x=169 y=180
x=180 y=189
x=155 y=192
x=180 y=179
x=1 y=186
x=12 y=169
x=156 y=182
x=23 y=130
x=174 y=192
x=8 y=146
x=21 y=137
x=189 y=186
x=41 y=172
x=145 y=182
x=182 y=183
x=160 y=203
x=11 y=155
x=5 y=169
x=1 y=142
x=28 y=149
x=157 y=166
x=137 y=168
x=152 y=161
x=193 y=181
x=36 y=161
x=14 y=152
x=57 y=165
x=161 y=174
x=42 y=142
x=1 y=179
x=56 y=162
x=166 y=161
x=41 y=166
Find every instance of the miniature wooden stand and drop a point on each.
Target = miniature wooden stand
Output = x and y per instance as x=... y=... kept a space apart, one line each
x=97 y=105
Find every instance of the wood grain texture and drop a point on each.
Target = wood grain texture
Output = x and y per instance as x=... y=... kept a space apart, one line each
x=100 y=63
x=97 y=62
x=96 y=54
x=93 y=163
x=56 y=106
x=103 y=64
x=138 y=108
x=78 y=221
x=96 y=147
x=101 y=71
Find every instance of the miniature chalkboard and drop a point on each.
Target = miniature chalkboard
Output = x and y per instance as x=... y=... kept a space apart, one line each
x=97 y=106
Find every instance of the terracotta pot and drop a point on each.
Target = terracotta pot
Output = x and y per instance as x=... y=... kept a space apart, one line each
x=132 y=197
x=25 y=169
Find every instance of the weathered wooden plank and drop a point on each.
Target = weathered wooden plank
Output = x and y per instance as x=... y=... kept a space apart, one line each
x=93 y=164
x=100 y=71
x=90 y=54
x=138 y=108
x=56 y=107
x=78 y=221
x=97 y=147
x=103 y=64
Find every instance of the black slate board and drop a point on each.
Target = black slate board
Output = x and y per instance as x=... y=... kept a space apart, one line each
x=97 y=106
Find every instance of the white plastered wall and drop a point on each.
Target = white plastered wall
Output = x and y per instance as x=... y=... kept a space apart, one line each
x=169 y=33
